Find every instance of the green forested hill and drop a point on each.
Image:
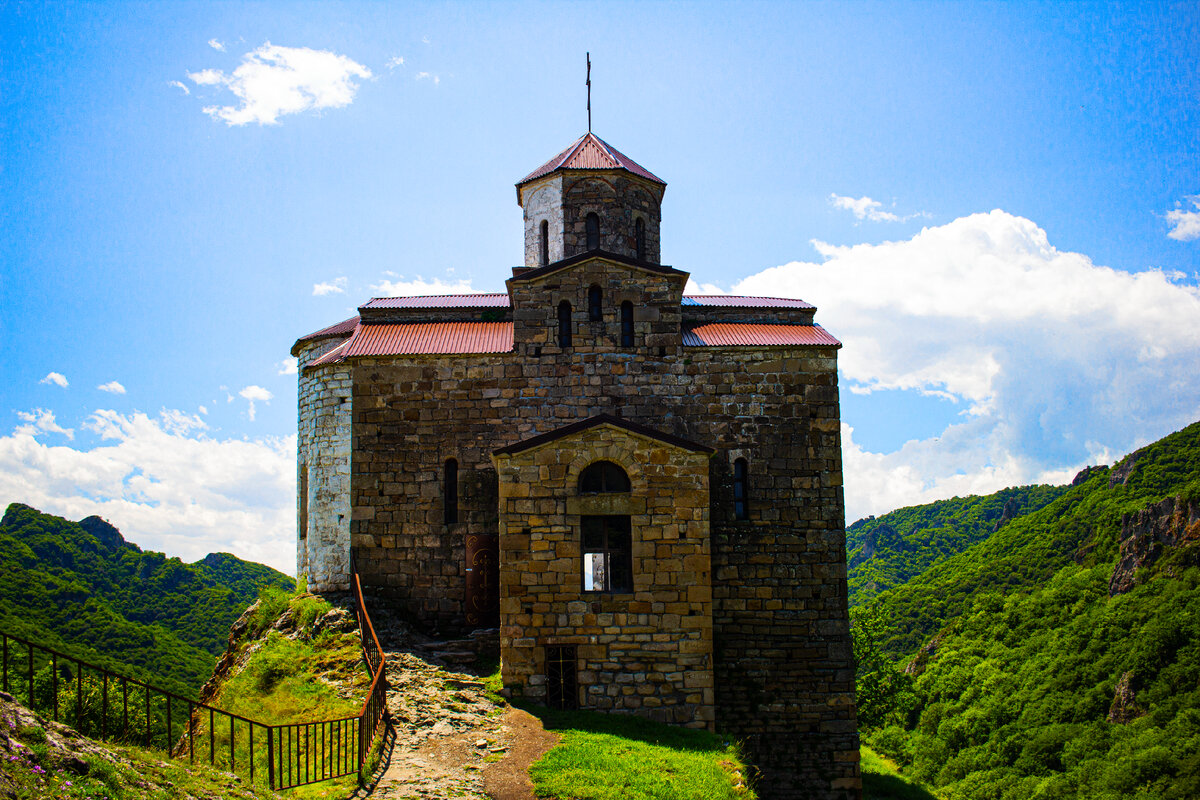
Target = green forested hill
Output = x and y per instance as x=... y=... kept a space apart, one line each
x=900 y=545
x=1033 y=673
x=81 y=588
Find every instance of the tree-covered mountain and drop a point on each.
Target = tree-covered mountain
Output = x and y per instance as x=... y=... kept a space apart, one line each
x=887 y=551
x=79 y=587
x=1060 y=656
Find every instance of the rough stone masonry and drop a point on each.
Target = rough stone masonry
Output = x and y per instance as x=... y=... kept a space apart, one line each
x=641 y=489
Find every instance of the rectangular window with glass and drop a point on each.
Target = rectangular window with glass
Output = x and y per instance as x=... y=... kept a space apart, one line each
x=607 y=554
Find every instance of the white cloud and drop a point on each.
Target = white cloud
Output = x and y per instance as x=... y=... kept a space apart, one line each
x=1055 y=361
x=422 y=76
x=180 y=85
x=866 y=208
x=202 y=410
x=41 y=419
x=336 y=286
x=419 y=286
x=216 y=45
x=273 y=81
x=1185 y=224
x=702 y=288
x=255 y=393
x=165 y=483
x=112 y=387
x=425 y=40
x=289 y=366
x=395 y=61
x=57 y=378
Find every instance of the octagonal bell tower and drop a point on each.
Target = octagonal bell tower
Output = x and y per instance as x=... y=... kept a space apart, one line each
x=590 y=197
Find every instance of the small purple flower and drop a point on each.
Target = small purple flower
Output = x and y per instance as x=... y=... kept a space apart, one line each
x=67 y=783
x=38 y=769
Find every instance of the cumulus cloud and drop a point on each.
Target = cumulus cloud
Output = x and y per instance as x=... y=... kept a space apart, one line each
x=1185 y=225
x=1054 y=361
x=180 y=85
x=289 y=366
x=418 y=286
x=252 y=394
x=273 y=81
x=112 y=387
x=41 y=420
x=57 y=378
x=336 y=286
x=216 y=45
x=165 y=483
x=395 y=61
x=425 y=76
x=868 y=209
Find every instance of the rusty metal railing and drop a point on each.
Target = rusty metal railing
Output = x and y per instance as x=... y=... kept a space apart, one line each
x=115 y=707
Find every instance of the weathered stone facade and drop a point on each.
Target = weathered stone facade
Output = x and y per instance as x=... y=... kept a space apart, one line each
x=470 y=424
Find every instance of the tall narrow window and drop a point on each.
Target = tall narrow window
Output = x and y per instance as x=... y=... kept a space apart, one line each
x=544 y=244
x=607 y=554
x=627 y=324
x=595 y=312
x=450 y=492
x=640 y=238
x=593 y=232
x=562 y=677
x=564 y=324
x=741 y=490
x=303 y=500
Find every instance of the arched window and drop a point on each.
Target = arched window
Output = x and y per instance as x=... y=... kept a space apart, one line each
x=450 y=491
x=627 y=324
x=741 y=490
x=640 y=238
x=595 y=312
x=593 y=232
x=545 y=244
x=603 y=477
x=564 y=324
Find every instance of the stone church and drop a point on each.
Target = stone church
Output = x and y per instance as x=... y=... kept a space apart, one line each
x=640 y=487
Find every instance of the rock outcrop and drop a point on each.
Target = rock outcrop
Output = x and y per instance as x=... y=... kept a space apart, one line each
x=1124 y=707
x=1148 y=534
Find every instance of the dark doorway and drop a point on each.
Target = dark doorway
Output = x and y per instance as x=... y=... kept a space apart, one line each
x=483 y=580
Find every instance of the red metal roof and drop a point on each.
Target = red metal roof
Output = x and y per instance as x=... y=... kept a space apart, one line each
x=424 y=338
x=591 y=152
x=494 y=300
x=740 y=334
x=742 y=301
x=342 y=328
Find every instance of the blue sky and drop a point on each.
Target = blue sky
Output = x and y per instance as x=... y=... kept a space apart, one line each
x=993 y=205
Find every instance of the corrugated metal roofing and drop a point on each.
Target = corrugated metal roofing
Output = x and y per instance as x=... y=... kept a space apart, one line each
x=426 y=338
x=742 y=301
x=739 y=334
x=591 y=152
x=493 y=300
x=342 y=328
x=332 y=356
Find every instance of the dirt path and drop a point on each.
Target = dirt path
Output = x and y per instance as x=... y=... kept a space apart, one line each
x=449 y=739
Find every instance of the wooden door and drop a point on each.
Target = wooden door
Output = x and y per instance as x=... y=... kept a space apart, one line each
x=483 y=580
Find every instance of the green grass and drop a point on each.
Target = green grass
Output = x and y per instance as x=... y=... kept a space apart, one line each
x=620 y=757
x=882 y=780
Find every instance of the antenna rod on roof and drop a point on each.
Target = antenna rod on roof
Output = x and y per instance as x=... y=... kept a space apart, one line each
x=589 y=87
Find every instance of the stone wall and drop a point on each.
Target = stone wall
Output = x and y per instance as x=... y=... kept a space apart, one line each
x=542 y=200
x=323 y=471
x=619 y=200
x=648 y=651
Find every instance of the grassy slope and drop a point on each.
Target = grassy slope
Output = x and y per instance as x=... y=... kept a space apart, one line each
x=81 y=588
x=1013 y=699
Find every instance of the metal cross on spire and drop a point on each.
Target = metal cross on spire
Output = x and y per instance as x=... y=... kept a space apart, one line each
x=589 y=90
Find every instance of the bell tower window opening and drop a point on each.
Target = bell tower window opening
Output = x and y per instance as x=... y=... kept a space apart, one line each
x=607 y=554
x=640 y=239
x=595 y=311
x=627 y=324
x=741 y=492
x=450 y=492
x=593 y=231
x=564 y=324
x=544 y=244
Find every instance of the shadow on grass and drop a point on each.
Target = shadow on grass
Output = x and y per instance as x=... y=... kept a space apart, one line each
x=625 y=726
x=891 y=787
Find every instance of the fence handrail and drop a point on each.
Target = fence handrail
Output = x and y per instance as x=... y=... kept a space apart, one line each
x=373 y=656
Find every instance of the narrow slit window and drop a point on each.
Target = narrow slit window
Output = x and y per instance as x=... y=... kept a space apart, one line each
x=595 y=310
x=627 y=324
x=544 y=244
x=741 y=491
x=564 y=324
x=562 y=679
x=593 y=231
x=450 y=491
x=640 y=238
